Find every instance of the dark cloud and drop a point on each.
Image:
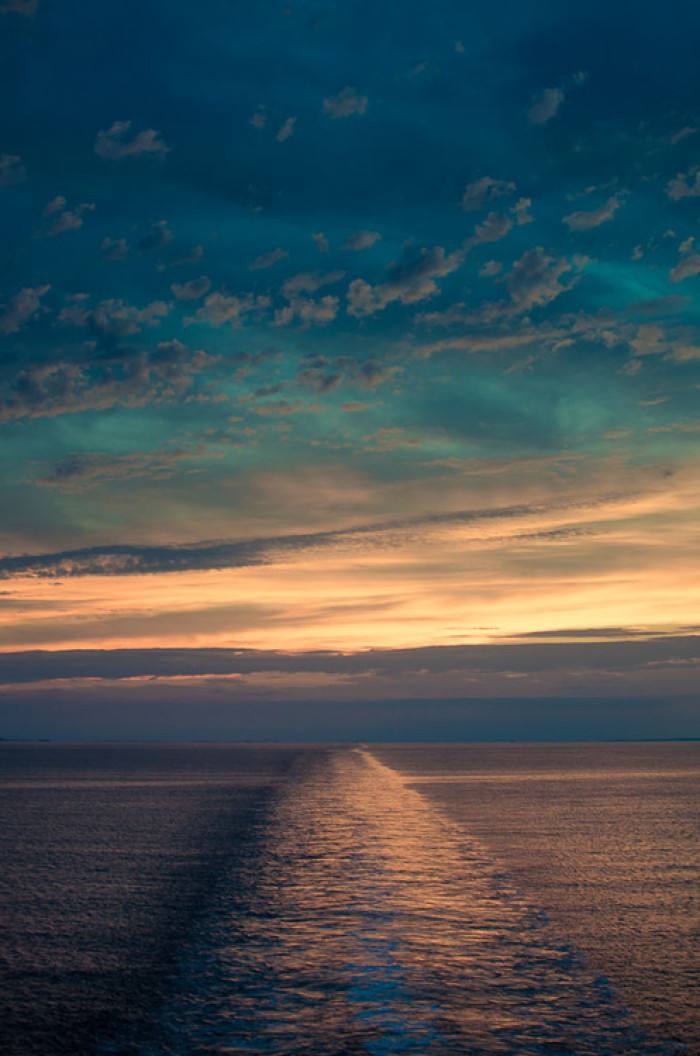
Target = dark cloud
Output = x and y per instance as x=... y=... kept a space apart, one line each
x=530 y=657
x=133 y=559
x=129 y=380
x=481 y=192
x=535 y=279
x=86 y=469
x=411 y=278
x=158 y=235
x=113 y=318
x=220 y=308
x=323 y=374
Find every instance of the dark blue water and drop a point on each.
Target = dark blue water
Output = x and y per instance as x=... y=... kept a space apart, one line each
x=338 y=900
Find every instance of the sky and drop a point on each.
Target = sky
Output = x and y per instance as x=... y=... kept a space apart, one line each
x=349 y=369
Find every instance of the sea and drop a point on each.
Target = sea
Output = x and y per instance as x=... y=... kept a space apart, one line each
x=306 y=900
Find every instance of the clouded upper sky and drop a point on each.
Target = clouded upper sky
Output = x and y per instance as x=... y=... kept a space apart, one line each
x=349 y=368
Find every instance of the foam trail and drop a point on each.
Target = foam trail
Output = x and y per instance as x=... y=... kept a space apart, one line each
x=370 y=923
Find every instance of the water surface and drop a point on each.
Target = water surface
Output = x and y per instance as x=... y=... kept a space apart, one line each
x=188 y=900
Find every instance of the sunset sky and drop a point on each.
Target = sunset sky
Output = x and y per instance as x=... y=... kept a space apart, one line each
x=349 y=369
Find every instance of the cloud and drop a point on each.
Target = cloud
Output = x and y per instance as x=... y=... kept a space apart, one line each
x=12 y=170
x=490 y=268
x=492 y=229
x=410 y=279
x=360 y=240
x=684 y=185
x=521 y=211
x=480 y=193
x=681 y=134
x=87 y=469
x=310 y=282
x=113 y=318
x=258 y=119
x=307 y=311
x=220 y=308
x=322 y=244
x=267 y=260
x=281 y=408
x=545 y=106
x=687 y=267
x=134 y=559
x=178 y=259
x=534 y=279
x=689 y=264
x=192 y=290
x=583 y=220
x=46 y=390
x=157 y=236
x=112 y=144
x=323 y=374
x=286 y=129
x=347 y=102
x=114 y=248
x=65 y=219
x=23 y=307
x=20 y=7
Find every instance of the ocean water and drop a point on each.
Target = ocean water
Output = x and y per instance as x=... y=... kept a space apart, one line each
x=183 y=900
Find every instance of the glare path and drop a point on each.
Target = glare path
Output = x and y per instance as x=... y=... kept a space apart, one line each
x=370 y=923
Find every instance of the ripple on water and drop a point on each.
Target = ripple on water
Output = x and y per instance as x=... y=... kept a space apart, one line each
x=369 y=924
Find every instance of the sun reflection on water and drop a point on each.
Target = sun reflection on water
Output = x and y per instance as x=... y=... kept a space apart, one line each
x=369 y=923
